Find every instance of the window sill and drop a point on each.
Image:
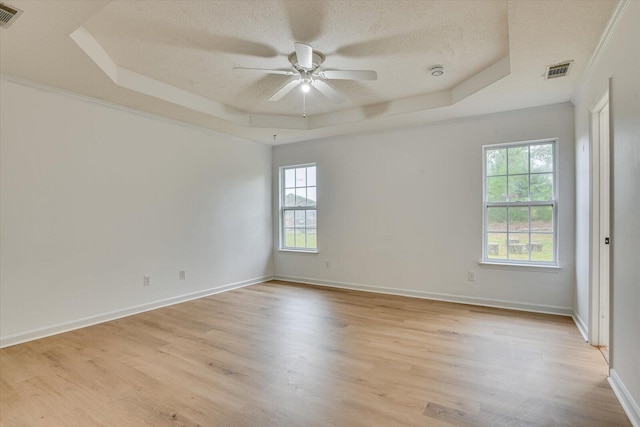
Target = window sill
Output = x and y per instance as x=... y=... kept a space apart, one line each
x=514 y=266
x=303 y=251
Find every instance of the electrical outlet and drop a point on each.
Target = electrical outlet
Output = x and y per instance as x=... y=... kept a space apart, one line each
x=146 y=281
x=182 y=274
x=471 y=276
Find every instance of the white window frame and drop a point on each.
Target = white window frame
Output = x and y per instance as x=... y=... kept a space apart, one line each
x=283 y=241
x=553 y=203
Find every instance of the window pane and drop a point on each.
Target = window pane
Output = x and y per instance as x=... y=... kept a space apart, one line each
x=519 y=188
x=311 y=176
x=312 y=238
x=289 y=197
x=301 y=240
x=515 y=230
x=311 y=196
x=288 y=219
x=542 y=218
x=497 y=189
x=542 y=158
x=497 y=219
x=542 y=186
x=519 y=246
x=301 y=196
x=289 y=178
x=518 y=160
x=298 y=209
x=301 y=177
x=518 y=219
x=541 y=247
x=311 y=219
x=496 y=247
x=496 y=162
x=289 y=237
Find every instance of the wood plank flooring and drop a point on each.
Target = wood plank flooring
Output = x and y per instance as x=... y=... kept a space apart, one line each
x=294 y=355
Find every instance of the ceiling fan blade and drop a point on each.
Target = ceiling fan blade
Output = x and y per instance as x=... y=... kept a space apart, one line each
x=304 y=53
x=266 y=70
x=328 y=91
x=348 y=74
x=285 y=90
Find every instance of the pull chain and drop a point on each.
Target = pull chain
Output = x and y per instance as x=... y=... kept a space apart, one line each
x=304 y=105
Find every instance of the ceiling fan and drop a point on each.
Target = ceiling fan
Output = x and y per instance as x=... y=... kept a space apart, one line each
x=307 y=73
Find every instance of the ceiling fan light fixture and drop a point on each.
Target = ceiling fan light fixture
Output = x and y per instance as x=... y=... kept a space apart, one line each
x=305 y=86
x=436 y=70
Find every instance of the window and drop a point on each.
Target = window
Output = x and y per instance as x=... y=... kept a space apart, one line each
x=520 y=207
x=298 y=224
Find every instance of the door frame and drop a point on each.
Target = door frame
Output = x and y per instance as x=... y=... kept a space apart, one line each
x=598 y=278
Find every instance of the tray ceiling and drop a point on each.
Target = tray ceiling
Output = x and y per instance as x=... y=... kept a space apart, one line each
x=176 y=58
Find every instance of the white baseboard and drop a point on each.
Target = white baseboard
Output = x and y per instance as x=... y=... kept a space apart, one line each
x=485 y=302
x=117 y=314
x=10 y=340
x=582 y=327
x=629 y=405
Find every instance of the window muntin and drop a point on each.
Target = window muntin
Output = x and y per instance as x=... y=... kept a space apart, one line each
x=520 y=205
x=298 y=204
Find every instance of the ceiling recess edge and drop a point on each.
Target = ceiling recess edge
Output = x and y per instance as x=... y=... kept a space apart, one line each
x=149 y=86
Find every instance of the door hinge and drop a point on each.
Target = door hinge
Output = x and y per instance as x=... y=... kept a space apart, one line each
x=606 y=240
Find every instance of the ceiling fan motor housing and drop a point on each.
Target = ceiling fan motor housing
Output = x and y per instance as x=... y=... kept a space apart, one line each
x=317 y=59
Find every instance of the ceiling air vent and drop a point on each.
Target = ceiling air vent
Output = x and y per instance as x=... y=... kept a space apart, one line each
x=558 y=70
x=8 y=15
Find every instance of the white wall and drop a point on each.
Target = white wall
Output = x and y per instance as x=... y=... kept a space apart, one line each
x=94 y=197
x=402 y=211
x=619 y=61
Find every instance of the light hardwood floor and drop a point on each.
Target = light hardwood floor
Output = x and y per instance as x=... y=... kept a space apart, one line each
x=295 y=355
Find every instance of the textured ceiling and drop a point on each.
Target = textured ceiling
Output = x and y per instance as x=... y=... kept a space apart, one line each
x=494 y=53
x=194 y=45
